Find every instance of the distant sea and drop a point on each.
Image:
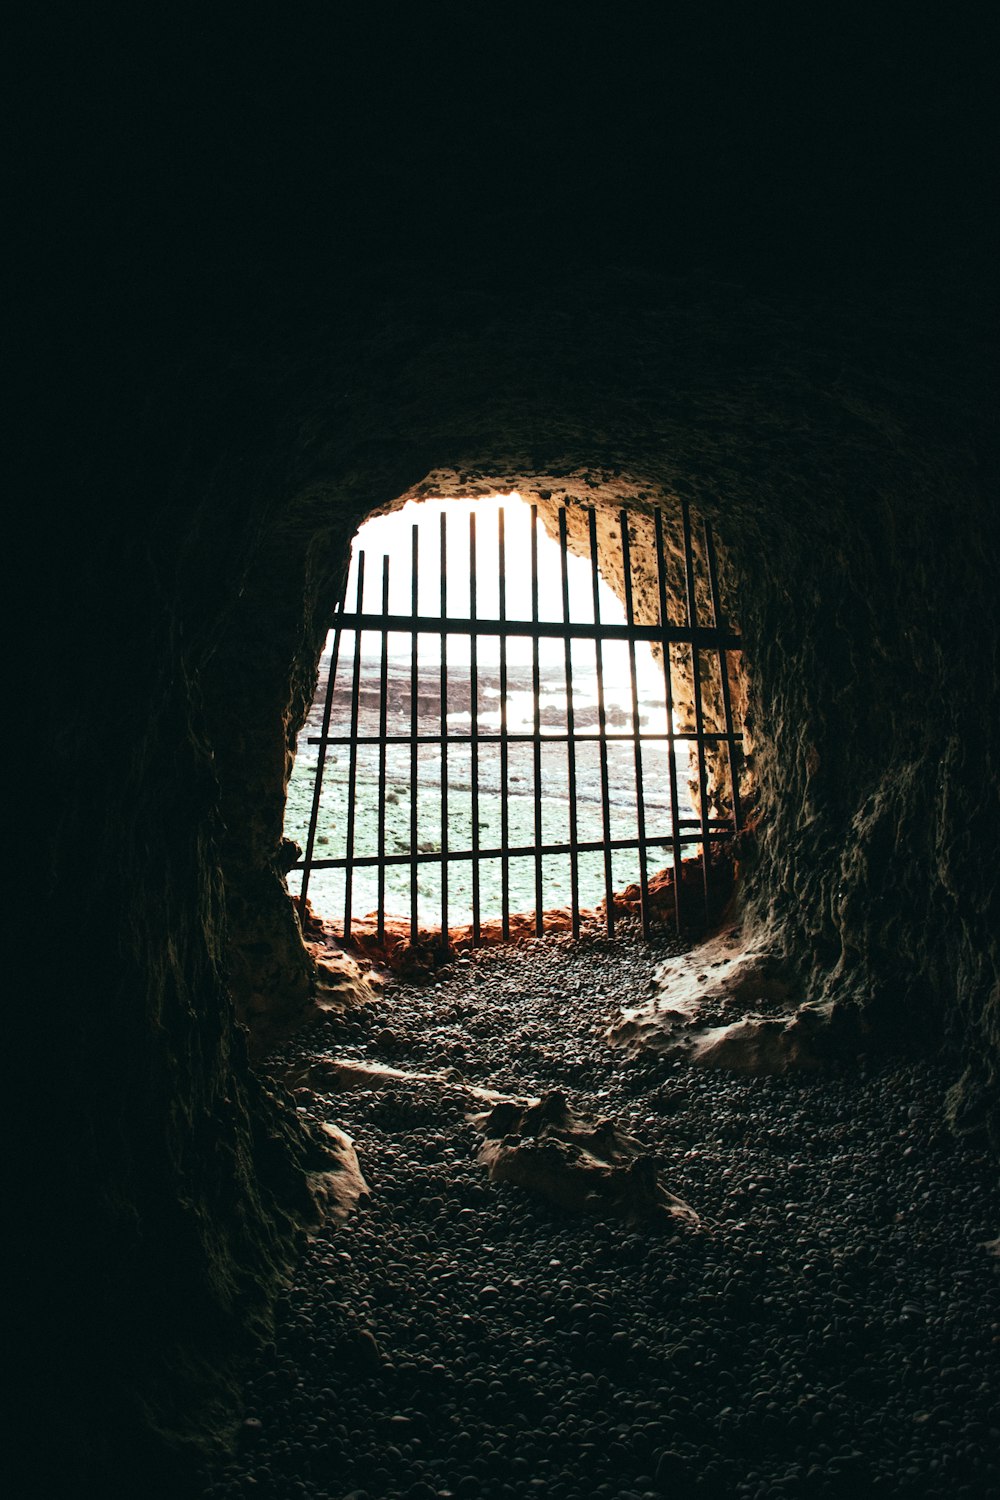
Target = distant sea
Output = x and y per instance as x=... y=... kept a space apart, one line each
x=326 y=887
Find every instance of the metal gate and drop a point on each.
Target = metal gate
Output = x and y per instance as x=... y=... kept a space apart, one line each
x=379 y=726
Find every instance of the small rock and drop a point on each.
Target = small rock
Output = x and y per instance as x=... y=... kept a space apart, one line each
x=670 y=1468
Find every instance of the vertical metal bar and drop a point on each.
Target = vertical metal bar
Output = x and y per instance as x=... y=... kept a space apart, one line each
x=504 y=750
x=574 y=856
x=727 y=705
x=636 y=740
x=444 y=728
x=474 y=727
x=602 y=729
x=320 y=762
x=414 y=728
x=699 y=719
x=536 y=698
x=383 y=712
x=353 y=771
x=668 y=688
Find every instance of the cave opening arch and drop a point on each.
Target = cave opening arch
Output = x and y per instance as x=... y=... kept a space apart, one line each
x=646 y=732
x=273 y=975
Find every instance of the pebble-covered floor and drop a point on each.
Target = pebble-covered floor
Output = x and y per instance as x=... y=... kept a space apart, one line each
x=833 y=1330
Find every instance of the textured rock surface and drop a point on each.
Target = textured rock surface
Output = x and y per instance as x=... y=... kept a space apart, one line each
x=723 y=1004
x=579 y=1163
x=340 y=1185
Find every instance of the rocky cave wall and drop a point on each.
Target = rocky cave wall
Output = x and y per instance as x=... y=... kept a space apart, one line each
x=846 y=464
x=160 y=1190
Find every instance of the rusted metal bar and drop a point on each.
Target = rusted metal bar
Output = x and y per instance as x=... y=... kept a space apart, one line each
x=414 y=721
x=353 y=769
x=555 y=630
x=609 y=894
x=444 y=728
x=383 y=727
x=536 y=698
x=727 y=705
x=504 y=750
x=668 y=689
x=474 y=725
x=323 y=741
x=574 y=857
x=640 y=799
x=699 y=720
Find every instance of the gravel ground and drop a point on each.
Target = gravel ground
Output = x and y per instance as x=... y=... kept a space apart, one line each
x=833 y=1330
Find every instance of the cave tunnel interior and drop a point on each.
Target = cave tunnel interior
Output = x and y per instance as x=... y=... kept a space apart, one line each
x=711 y=1215
x=854 y=537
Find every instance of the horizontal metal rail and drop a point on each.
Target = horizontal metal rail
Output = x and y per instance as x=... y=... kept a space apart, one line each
x=706 y=637
x=558 y=737
x=524 y=851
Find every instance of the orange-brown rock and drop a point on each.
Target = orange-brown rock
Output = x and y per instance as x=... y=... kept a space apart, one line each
x=589 y=1166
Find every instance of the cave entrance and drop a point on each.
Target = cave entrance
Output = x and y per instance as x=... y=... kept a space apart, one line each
x=501 y=744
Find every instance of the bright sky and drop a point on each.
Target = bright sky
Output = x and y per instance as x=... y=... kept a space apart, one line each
x=391 y=537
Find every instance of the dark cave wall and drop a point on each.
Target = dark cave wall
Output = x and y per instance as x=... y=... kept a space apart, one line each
x=160 y=1189
x=872 y=711
x=259 y=686
x=256 y=690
